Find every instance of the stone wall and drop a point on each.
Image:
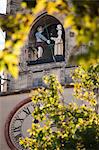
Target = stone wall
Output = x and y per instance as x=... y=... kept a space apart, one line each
x=31 y=75
x=13 y=6
x=8 y=103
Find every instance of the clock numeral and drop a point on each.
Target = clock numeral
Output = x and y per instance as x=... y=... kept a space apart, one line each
x=20 y=119
x=27 y=111
x=17 y=129
x=18 y=136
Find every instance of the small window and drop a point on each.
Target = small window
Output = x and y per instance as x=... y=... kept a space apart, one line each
x=37 y=82
x=72 y=34
x=68 y=79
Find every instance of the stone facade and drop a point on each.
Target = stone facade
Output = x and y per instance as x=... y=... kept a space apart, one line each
x=31 y=75
x=13 y=6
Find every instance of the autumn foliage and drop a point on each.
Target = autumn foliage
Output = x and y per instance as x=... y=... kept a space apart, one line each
x=57 y=126
x=82 y=16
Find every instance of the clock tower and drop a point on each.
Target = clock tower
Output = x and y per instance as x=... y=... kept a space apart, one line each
x=46 y=51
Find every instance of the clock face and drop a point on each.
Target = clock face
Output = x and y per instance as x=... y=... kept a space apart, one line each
x=19 y=120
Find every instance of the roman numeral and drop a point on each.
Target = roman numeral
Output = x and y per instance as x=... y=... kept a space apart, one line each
x=18 y=136
x=20 y=119
x=27 y=111
x=17 y=129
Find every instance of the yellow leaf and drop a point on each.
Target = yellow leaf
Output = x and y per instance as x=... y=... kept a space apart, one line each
x=69 y=21
x=8 y=44
x=14 y=71
x=23 y=5
x=51 y=7
x=40 y=6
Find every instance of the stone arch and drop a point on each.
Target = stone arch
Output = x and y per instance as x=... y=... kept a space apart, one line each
x=49 y=23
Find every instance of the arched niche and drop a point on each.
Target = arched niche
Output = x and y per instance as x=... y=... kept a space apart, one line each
x=49 y=24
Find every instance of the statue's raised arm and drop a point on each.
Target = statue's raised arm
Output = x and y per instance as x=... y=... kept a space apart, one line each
x=41 y=40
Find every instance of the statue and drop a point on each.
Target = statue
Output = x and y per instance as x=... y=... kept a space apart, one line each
x=41 y=41
x=58 y=47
